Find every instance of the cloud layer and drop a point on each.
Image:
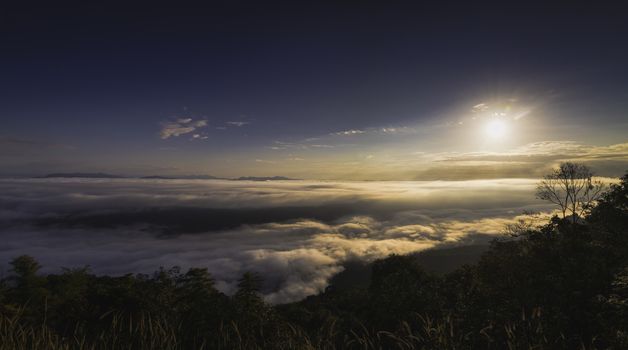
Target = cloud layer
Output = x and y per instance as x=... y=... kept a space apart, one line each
x=180 y=127
x=298 y=234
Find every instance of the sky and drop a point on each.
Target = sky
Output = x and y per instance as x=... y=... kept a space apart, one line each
x=313 y=90
x=452 y=114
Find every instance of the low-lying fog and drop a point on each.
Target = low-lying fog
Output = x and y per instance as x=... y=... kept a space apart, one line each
x=297 y=234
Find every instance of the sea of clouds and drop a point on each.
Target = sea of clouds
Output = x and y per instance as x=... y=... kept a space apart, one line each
x=296 y=234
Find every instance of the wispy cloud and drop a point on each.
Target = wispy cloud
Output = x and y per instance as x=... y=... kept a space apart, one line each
x=265 y=161
x=531 y=160
x=396 y=130
x=387 y=130
x=237 y=123
x=480 y=107
x=330 y=140
x=283 y=145
x=348 y=132
x=181 y=126
x=547 y=150
x=508 y=109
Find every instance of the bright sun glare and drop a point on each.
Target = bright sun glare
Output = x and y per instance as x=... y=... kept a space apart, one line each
x=496 y=128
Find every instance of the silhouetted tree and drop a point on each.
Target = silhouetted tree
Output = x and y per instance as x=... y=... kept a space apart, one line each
x=29 y=287
x=247 y=297
x=400 y=288
x=67 y=300
x=197 y=283
x=572 y=188
x=25 y=267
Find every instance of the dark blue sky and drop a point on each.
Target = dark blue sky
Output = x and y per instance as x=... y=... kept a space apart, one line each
x=93 y=87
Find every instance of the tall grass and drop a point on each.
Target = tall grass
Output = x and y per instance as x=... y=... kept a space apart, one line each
x=143 y=332
x=147 y=332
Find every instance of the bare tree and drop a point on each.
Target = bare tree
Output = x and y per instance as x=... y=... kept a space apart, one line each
x=572 y=188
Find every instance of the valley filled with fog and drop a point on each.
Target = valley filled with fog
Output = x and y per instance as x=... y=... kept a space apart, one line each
x=297 y=234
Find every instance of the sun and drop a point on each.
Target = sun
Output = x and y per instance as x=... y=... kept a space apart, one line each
x=496 y=129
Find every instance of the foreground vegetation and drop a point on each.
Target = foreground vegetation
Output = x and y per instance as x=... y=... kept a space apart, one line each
x=561 y=286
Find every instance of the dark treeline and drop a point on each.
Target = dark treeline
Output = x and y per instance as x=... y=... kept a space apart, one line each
x=561 y=286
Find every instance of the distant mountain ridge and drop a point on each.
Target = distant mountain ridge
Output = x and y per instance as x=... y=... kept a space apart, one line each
x=84 y=175
x=183 y=177
x=164 y=177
